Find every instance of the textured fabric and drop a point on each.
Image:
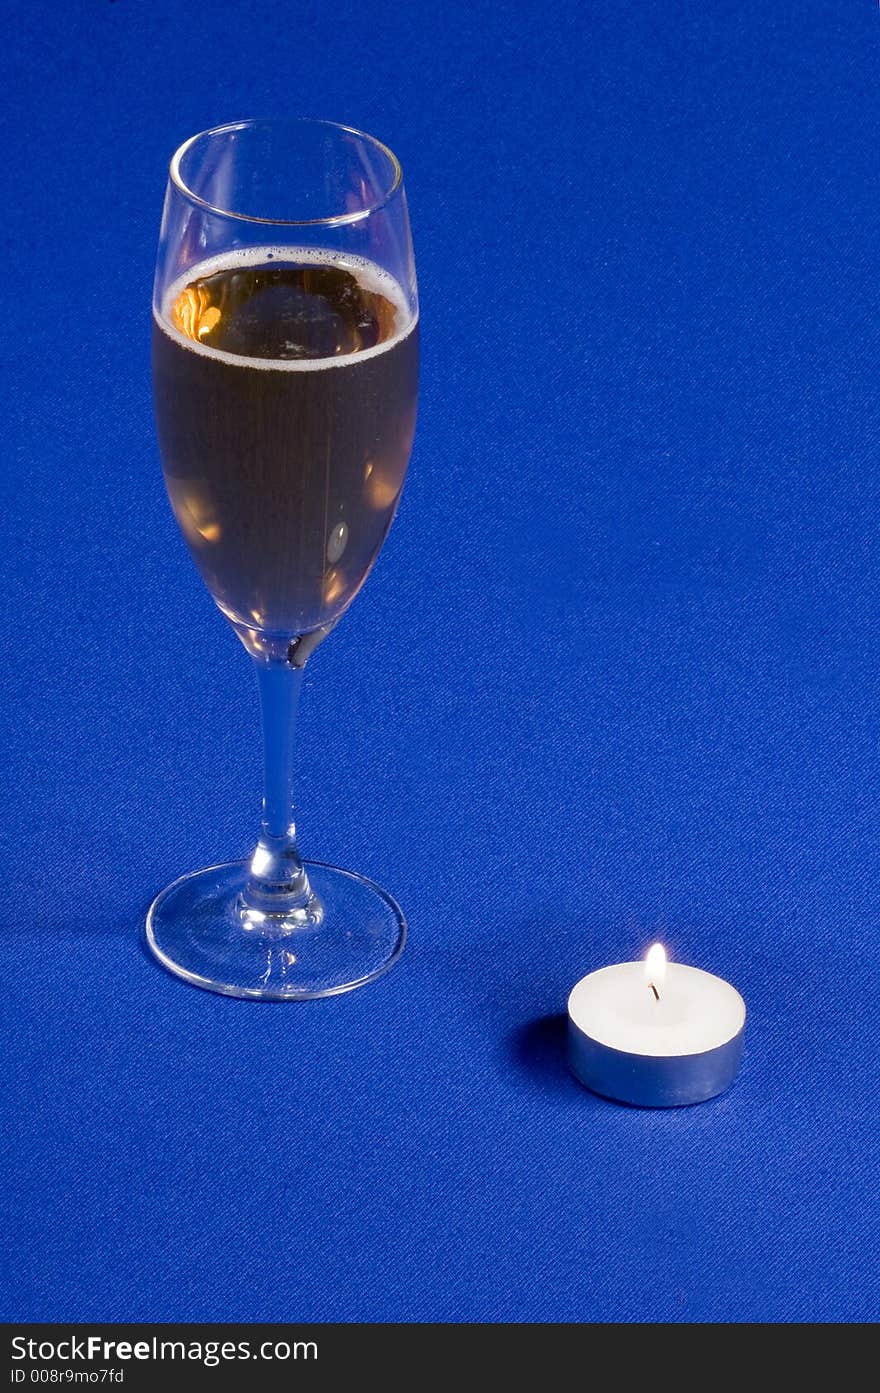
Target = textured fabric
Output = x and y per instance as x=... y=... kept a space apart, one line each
x=614 y=678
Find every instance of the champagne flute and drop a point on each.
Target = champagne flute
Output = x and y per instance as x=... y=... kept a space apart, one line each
x=285 y=371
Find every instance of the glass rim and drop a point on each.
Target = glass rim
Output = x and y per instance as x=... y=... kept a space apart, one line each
x=335 y=220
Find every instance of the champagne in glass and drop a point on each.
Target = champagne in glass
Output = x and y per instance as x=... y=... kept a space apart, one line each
x=285 y=367
x=285 y=392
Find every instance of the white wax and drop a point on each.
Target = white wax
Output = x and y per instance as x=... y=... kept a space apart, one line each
x=696 y=1011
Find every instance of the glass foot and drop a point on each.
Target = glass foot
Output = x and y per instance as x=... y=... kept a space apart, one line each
x=197 y=929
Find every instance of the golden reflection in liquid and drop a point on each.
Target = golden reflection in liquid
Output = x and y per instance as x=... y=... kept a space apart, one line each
x=193 y=314
x=334 y=584
x=381 y=485
x=384 y=473
x=194 y=511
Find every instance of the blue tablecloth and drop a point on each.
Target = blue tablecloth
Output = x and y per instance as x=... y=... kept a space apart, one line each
x=613 y=679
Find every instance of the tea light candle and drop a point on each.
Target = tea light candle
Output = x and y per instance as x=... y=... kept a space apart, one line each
x=655 y=1034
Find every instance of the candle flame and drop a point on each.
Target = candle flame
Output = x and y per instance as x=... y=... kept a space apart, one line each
x=655 y=965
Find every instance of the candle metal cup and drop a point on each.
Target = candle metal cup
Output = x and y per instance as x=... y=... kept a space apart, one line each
x=656 y=1069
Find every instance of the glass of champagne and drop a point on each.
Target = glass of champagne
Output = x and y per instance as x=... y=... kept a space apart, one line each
x=285 y=371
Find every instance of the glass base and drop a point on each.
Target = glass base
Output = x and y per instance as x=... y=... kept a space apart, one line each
x=197 y=929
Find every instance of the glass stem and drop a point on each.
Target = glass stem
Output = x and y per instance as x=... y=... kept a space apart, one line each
x=278 y=885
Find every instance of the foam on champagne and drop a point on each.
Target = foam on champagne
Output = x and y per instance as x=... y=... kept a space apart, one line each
x=370 y=277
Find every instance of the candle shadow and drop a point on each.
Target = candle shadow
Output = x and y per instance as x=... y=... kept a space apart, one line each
x=539 y=1050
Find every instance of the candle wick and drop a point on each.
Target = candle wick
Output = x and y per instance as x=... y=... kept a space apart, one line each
x=655 y=991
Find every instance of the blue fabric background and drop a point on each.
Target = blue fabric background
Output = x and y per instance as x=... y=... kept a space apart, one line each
x=614 y=678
